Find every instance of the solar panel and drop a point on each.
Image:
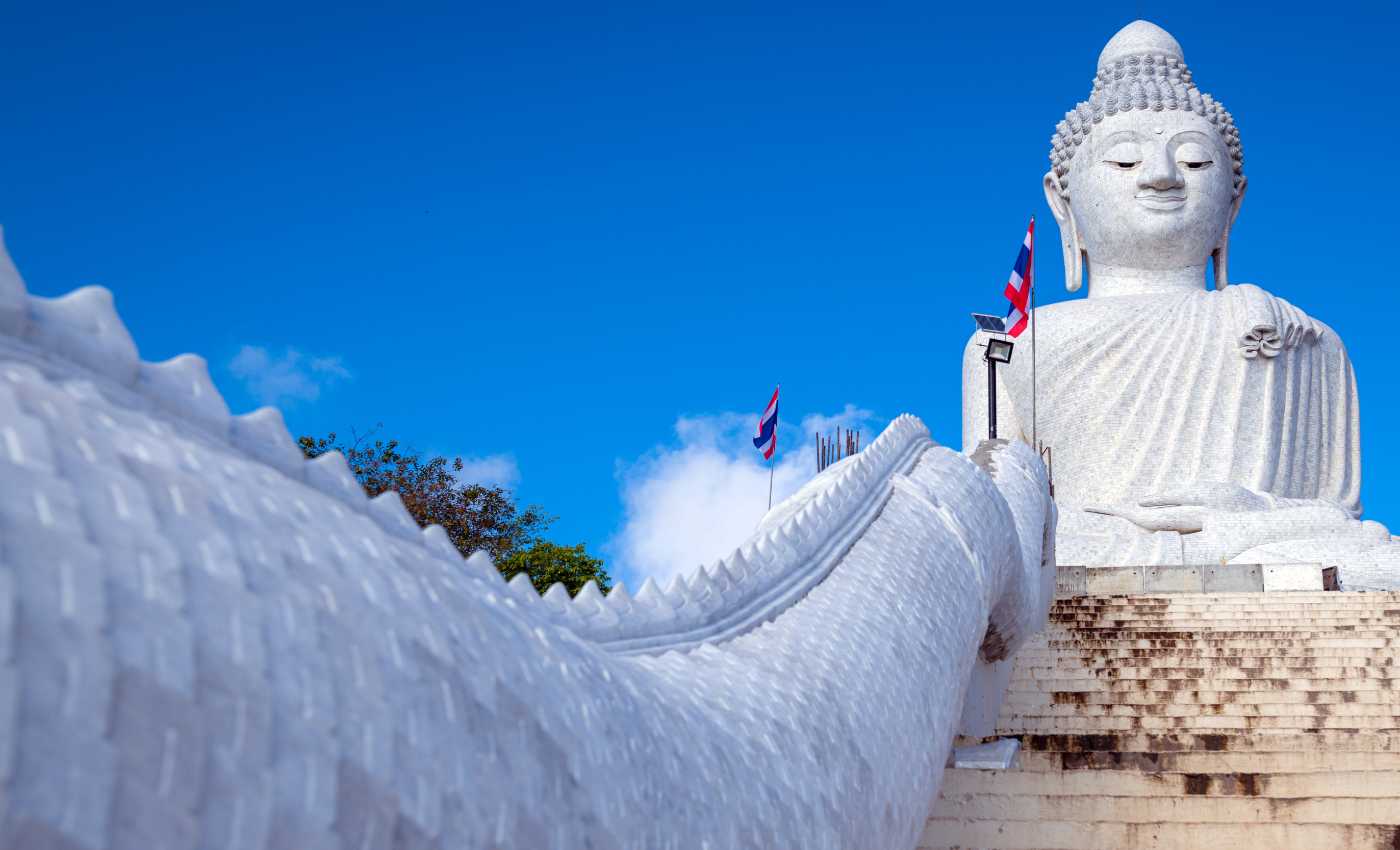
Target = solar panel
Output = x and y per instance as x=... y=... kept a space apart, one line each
x=991 y=324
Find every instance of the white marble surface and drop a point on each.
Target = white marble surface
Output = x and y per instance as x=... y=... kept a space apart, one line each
x=208 y=642
x=1186 y=425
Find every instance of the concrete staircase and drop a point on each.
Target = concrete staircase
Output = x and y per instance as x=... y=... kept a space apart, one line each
x=1200 y=720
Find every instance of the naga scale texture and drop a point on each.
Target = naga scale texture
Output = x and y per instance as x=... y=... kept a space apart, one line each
x=208 y=642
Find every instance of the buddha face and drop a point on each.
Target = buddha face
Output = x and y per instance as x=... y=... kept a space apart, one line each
x=1151 y=190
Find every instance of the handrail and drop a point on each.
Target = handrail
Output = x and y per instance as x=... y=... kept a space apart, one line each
x=299 y=659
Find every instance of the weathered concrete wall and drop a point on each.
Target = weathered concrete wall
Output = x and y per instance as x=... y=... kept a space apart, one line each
x=1293 y=577
x=1184 y=579
x=1241 y=578
x=1187 y=578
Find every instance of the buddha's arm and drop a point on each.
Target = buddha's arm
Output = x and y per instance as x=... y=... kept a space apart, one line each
x=1191 y=508
x=974 y=399
x=1224 y=533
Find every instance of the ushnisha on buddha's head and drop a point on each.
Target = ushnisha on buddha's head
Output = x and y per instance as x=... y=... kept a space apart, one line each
x=1146 y=176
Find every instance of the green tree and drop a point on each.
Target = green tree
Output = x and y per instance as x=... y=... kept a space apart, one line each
x=475 y=516
x=546 y=563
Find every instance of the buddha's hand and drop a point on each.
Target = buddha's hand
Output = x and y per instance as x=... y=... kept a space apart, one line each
x=1212 y=495
x=1185 y=511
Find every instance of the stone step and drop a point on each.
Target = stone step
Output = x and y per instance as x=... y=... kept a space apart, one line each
x=1301 y=622
x=1249 y=607
x=1267 y=626
x=1309 y=761
x=1088 y=711
x=1332 y=598
x=1199 y=698
x=1166 y=660
x=1113 y=654
x=1099 y=684
x=1173 y=808
x=1297 y=597
x=1195 y=603
x=1299 y=633
x=1020 y=724
x=1264 y=627
x=1280 y=619
x=1284 y=668
x=1204 y=678
x=1360 y=602
x=1270 y=630
x=1241 y=597
x=1300 y=615
x=1218 y=742
x=1069 y=835
x=1148 y=632
x=1192 y=721
x=1191 y=640
x=1353 y=784
x=1280 y=622
x=1376 y=616
x=1205 y=674
x=1228 y=646
x=1227 y=612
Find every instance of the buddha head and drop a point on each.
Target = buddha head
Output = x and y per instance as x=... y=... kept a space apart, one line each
x=1147 y=175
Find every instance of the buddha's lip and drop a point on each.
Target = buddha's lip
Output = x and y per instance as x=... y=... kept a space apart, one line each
x=1153 y=199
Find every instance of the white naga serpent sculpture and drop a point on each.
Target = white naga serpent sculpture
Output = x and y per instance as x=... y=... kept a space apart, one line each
x=208 y=642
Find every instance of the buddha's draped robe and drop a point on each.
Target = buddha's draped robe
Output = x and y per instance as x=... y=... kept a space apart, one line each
x=1143 y=395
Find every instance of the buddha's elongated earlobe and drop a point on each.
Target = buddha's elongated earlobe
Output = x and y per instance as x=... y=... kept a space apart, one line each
x=1069 y=233
x=1221 y=254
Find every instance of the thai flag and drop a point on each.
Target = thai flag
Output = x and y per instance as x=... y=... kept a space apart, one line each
x=766 y=438
x=1018 y=288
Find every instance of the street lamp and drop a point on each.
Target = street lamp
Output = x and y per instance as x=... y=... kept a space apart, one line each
x=998 y=351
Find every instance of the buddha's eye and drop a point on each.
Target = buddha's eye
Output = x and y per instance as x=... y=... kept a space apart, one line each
x=1124 y=156
x=1194 y=157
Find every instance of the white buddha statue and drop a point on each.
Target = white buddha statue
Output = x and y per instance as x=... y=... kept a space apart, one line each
x=1187 y=425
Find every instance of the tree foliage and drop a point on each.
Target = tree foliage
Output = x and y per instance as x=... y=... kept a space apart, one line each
x=475 y=516
x=547 y=563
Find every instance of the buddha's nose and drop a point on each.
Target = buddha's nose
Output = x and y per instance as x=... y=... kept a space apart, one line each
x=1160 y=172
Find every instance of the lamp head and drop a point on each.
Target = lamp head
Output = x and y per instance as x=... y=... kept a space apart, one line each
x=999 y=350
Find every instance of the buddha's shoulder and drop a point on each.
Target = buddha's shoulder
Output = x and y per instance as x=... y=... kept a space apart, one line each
x=1291 y=320
x=1246 y=297
x=1092 y=310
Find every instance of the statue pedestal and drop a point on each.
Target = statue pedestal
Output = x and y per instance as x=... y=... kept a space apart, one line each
x=1074 y=581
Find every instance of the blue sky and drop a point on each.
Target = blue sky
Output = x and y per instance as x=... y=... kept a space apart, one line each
x=569 y=240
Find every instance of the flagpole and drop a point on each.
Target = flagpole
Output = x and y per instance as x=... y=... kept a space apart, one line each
x=770 y=464
x=774 y=443
x=770 y=483
x=1035 y=390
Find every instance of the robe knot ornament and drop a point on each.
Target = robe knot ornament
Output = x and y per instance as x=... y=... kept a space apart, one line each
x=1261 y=341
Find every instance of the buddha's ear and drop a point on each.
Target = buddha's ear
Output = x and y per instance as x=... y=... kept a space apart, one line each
x=1221 y=254
x=1069 y=233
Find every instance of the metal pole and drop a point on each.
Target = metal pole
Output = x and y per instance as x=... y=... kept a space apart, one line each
x=1035 y=390
x=991 y=398
x=770 y=484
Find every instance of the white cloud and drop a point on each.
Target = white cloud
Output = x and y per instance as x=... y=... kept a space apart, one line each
x=692 y=503
x=491 y=471
x=291 y=377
